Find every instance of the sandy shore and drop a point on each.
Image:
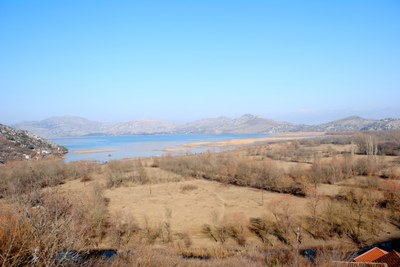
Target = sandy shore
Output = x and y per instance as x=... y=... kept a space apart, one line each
x=250 y=141
x=83 y=152
x=299 y=134
x=228 y=143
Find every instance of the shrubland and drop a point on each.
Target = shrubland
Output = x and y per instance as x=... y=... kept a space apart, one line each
x=350 y=186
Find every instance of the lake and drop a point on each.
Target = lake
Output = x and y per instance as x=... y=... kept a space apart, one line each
x=119 y=147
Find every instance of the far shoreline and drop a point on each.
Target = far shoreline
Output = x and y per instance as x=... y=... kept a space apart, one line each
x=95 y=151
x=192 y=147
x=247 y=141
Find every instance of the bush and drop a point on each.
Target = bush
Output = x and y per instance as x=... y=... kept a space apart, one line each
x=261 y=228
x=96 y=212
x=391 y=191
x=229 y=170
x=123 y=229
x=188 y=187
x=24 y=177
x=231 y=227
x=151 y=231
x=33 y=235
x=121 y=172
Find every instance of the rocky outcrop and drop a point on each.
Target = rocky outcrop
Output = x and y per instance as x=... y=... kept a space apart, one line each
x=22 y=145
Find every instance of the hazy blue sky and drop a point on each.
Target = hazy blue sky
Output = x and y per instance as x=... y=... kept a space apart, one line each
x=300 y=61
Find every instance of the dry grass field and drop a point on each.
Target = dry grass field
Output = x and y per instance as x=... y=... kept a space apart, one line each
x=251 y=206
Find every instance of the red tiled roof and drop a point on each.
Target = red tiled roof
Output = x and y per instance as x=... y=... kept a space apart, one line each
x=356 y=264
x=392 y=259
x=371 y=255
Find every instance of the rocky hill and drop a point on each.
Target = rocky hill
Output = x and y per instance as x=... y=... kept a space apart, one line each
x=355 y=123
x=246 y=124
x=76 y=126
x=140 y=127
x=22 y=145
x=62 y=126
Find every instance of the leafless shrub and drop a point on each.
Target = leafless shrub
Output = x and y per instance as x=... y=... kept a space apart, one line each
x=230 y=227
x=379 y=143
x=151 y=231
x=120 y=172
x=83 y=170
x=230 y=170
x=388 y=172
x=86 y=178
x=114 y=179
x=14 y=233
x=261 y=228
x=325 y=256
x=302 y=155
x=297 y=173
x=389 y=148
x=148 y=256
x=120 y=166
x=282 y=227
x=366 y=166
x=278 y=257
x=391 y=191
x=205 y=253
x=217 y=233
x=188 y=187
x=236 y=232
x=96 y=212
x=285 y=221
x=333 y=216
x=356 y=218
x=369 y=182
x=326 y=172
x=183 y=240
x=166 y=232
x=123 y=228
x=314 y=220
x=337 y=170
x=23 y=177
x=27 y=176
x=39 y=232
x=155 y=163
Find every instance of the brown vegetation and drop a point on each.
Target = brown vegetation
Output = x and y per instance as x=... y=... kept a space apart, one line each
x=333 y=194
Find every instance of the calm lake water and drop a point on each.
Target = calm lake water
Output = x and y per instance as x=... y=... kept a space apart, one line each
x=139 y=145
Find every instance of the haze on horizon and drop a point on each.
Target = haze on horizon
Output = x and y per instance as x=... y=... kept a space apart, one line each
x=295 y=61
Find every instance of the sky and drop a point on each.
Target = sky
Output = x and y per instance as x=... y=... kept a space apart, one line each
x=112 y=61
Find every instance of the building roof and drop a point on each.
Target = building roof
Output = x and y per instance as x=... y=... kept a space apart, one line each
x=371 y=255
x=357 y=264
x=392 y=259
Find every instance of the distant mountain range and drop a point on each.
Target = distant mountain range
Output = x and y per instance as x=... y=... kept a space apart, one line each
x=69 y=126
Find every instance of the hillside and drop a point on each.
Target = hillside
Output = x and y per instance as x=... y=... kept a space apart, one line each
x=246 y=124
x=355 y=123
x=19 y=145
x=140 y=127
x=68 y=126
x=62 y=126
